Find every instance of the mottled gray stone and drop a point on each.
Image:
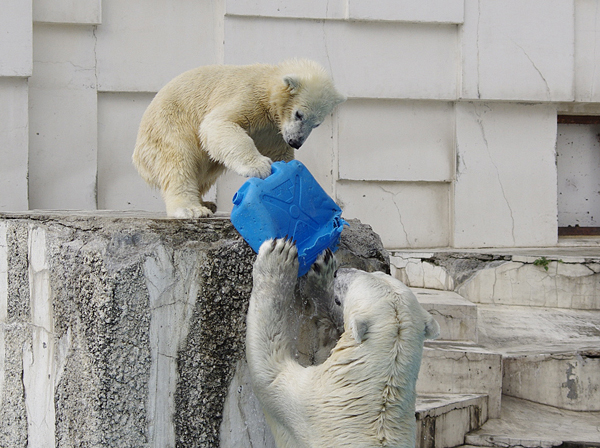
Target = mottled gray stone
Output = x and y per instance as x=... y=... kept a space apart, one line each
x=361 y=248
x=15 y=334
x=127 y=330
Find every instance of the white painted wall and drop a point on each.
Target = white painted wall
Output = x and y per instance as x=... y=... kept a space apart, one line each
x=63 y=118
x=120 y=187
x=15 y=42
x=505 y=186
x=448 y=137
x=518 y=50
x=587 y=54
x=14 y=138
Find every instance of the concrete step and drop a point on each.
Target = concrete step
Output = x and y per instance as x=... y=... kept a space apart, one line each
x=551 y=355
x=558 y=277
x=513 y=328
x=456 y=315
x=443 y=420
x=532 y=425
x=418 y=270
x=565 y=379
x=461 y=368
x=559 y=284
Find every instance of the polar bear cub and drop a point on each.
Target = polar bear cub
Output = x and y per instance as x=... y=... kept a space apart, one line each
x=237 y=117
x=363 y=395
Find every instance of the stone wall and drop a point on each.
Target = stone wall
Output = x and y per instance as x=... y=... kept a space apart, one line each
x=127 y=331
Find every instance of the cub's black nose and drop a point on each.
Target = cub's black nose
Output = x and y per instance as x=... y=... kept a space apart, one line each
x=295 y=144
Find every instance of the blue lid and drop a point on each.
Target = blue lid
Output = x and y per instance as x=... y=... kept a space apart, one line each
x=290 y=202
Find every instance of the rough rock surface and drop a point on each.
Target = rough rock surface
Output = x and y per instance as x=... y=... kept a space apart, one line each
x=360 y=247
x=121 y=330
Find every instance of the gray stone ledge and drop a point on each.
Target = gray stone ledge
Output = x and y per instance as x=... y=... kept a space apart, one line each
x=125 y=329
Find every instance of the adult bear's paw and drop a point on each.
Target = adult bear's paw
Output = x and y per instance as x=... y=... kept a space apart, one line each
x=318 y=281
x=276 y=265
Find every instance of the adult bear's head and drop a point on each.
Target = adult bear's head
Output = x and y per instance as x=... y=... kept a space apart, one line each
x=371 y=299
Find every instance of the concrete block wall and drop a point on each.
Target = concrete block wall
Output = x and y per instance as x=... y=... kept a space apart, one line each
x=447 y=139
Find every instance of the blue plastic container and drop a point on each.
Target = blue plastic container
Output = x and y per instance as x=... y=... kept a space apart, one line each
x=290 y=202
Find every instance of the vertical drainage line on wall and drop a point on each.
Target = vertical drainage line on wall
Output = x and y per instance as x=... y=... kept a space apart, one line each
x=595 y=57
x=172 y=292
x=478 y=55
x=451 y=198
x=159 y=274
x=38 y=366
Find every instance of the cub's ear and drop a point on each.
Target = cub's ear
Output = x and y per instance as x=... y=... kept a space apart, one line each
x=292 y=83
x=432 y=328
x=360 y=328
x=340 y=98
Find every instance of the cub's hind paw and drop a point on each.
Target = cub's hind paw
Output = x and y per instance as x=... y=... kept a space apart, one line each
x=210 y=205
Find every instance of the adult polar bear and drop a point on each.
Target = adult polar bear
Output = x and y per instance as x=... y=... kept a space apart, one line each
x=363 y=395
x=237 y=117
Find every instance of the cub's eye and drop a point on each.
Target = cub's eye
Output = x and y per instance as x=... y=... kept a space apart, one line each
x=338 y=302
x=299 y=115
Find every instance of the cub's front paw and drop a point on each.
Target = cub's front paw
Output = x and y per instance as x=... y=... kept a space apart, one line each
x=277 y=261
x=259 y=167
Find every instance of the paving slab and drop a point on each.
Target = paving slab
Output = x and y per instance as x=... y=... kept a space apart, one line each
x=568 y=380
x=543 y=283
x=586 y=248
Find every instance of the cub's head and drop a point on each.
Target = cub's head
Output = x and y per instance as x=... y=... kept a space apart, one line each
x=304 y=97
x=372 y=301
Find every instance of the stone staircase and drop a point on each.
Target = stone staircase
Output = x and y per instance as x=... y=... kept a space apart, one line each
x=518 y=360
x=460 y=382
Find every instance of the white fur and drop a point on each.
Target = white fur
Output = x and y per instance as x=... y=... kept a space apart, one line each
x=363 y=395
x=236 y=117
